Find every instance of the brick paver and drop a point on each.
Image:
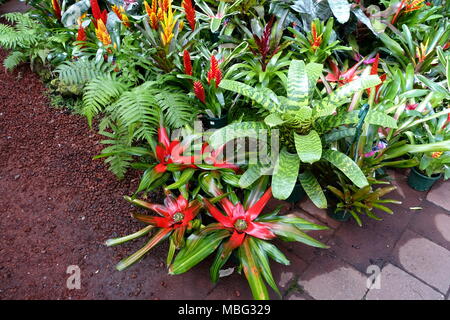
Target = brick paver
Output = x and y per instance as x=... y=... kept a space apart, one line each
x=360 y=246
x=440 y=195
x=317 y=213
x=433 y=223
x=333 y=279
x=424 y=259
x=396 y=284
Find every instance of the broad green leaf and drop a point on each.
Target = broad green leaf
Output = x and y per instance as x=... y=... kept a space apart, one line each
x=285 y=174
x=238 y=130
x=313 y=189
x=252 y=272
x=328 y=123
x=297 y=87
x=340 y=9
x=184 y=178
x=347 y=166
x=309 y=147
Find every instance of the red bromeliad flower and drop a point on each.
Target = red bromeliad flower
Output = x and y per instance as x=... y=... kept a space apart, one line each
x=175 y=213
x=211 y=158
x=241 y=222
x=56 y=9
x=214 y=71
x=170 y=152
x=199 y=91
x=103 y=15
x=190 y=13
x=187 y=63
x=342 y=77
x=176 y=216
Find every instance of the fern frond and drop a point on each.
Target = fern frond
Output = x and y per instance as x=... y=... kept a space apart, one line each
x=99 y=93
x=14 y=59
x=139 y=108
x=116 y=156
x=176 y=106
x=82 y=71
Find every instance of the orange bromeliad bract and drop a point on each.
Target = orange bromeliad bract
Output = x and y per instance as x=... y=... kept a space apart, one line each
x=120 y=13
x=102 y=33
x=316 y=39
x=152 y=14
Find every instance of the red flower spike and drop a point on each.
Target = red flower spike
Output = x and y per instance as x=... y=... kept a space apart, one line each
x=187 y=63
x=342 y=77
x=199 y=91
x=56 y=9
x=163 y=137
x=97 y=13
x=81 y=36
x=190 y=13
x=214 y=71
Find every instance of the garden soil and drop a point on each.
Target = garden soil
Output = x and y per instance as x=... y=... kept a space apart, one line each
x=58 y=206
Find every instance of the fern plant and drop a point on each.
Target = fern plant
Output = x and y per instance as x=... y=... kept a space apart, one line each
x=302 y=121
x=30 y=40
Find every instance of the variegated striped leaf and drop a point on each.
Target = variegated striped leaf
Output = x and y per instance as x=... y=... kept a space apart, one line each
x=297 y=85
x=347 y=166
x=337 y=98
x=309 y=147
x=328 y=123
x=314 y=71
x=273 y=120
x=265 y=97
x=285 y=174
x=253 y=173
x=313 y=189
x=380 y=119
x=237 y=130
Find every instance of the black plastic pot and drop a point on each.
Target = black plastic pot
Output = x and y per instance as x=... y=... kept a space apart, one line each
x=338 y=215
x=420 y=182
x=215 y=123
x=298 y=193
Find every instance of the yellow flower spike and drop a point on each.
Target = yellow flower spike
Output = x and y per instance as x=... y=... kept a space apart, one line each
x=167 y=24
x=160 y=14
x=181 y=25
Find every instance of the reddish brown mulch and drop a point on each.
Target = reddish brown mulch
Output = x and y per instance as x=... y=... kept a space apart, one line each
x=58 y=206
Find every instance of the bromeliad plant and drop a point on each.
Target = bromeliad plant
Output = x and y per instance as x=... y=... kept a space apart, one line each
x=176 y=217
x=244 y=228
x=301 y=120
